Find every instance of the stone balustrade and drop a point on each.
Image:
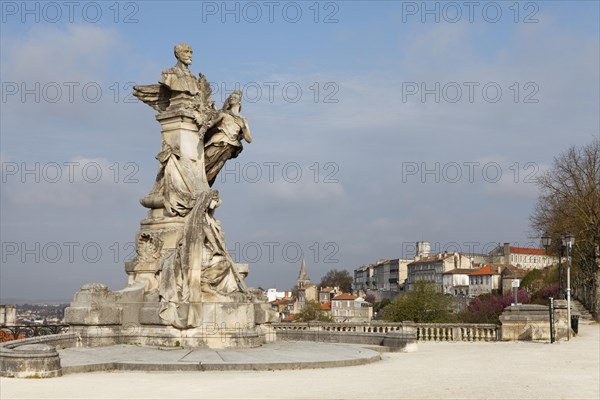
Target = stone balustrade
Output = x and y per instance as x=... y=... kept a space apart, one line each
x=373 y=327
x=424 y=332
x=457 y=332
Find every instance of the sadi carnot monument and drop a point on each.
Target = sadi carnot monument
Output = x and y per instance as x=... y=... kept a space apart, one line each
x=183 y=286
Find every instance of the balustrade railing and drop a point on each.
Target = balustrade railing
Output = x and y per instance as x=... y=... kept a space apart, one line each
x=377 y=327
x=13 y=332
x=424 y=332
x=457 y=332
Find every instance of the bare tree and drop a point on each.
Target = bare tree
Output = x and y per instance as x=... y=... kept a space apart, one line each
x=335 y=278
x=569 y=201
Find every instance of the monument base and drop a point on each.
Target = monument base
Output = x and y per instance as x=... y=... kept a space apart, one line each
x=131 y=316
x=208 y=337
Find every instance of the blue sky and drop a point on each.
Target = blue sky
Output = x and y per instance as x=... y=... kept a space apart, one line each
x=346 y=109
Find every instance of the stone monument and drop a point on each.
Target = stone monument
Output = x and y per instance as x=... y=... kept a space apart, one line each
x=183 y=286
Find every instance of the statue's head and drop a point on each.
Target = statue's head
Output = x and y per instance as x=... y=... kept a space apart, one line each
x=234 y=98
x=183 y=53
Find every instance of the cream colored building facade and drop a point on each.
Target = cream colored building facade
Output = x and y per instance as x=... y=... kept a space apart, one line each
x=348 y=308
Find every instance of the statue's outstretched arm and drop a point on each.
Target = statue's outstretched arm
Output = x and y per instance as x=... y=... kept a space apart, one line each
x=246 y=131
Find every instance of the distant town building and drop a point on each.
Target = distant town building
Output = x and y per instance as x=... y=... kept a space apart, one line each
x=384 y=278
x=452 y=271
x=527 y=258
x=485 y=280
x=456 y=281
x=283 y=307
x=273 y=294
x=348 y=308
x=388 y=278
x=327 y=294
x=431 y=268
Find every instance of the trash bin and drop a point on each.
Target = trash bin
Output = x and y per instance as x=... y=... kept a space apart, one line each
x=575 y=323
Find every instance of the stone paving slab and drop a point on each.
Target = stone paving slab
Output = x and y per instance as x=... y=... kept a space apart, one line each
x=473 y=371
x=272 y=356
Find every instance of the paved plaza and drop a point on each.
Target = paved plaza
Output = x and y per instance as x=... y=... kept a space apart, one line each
x=272 y=356
x=494 y=370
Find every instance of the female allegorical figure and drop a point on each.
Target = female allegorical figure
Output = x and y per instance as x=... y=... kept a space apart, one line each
x=224 y=140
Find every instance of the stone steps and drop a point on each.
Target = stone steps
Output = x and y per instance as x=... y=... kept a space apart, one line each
x=585 y=317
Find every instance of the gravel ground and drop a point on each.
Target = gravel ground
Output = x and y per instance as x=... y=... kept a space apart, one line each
x=515 y=370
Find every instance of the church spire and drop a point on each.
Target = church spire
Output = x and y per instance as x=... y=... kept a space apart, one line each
x=303 y=279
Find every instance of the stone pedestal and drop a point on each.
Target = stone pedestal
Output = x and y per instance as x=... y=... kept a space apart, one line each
x=532 y=322
x=130 y=316
x=160 y=232
x=560 y=319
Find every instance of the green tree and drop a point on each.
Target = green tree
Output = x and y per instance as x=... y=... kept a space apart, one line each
x=341 y=279
x=533 y=281
x=425 y=304
x=569 y=202
x=313 y=311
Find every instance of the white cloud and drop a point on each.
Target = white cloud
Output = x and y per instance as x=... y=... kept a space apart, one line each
x=77 y=183
x=53 y=54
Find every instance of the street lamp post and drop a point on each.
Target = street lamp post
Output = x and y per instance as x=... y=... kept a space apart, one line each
x=561 y=248
x=546 y=242
x=568 y=241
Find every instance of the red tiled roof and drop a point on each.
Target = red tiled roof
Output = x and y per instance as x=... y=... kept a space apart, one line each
x=289 y=318
x=326 y=306
x=345 y=296
x=527 y=250
x=487 y=270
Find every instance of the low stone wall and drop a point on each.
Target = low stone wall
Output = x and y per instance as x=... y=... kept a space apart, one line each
x=34 y=357
x=374 y=332
x=393 y=336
